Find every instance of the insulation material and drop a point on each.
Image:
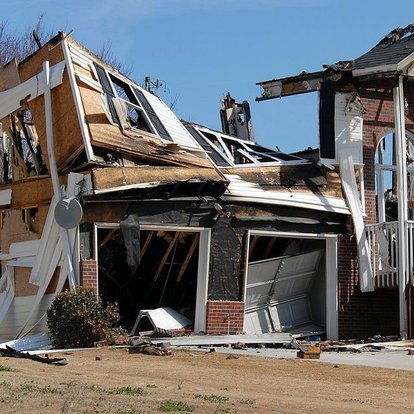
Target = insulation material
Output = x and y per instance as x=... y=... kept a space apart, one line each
x=350 y=187
x=33 y=87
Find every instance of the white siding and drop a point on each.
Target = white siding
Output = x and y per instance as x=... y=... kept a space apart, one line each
x=19 y=312
x=348 y=128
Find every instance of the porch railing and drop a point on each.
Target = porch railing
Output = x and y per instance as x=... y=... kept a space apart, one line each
x=383 y=244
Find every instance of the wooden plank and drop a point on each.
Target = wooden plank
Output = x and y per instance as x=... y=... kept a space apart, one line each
x=108 y=237
x=146 y=243
x=188 y=257
x=165 y=257
x=34 y=64
x=104 y=212
x=115 y=177
x=9 y=75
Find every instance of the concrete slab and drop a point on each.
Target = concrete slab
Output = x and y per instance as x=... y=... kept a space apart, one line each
x=392 y=359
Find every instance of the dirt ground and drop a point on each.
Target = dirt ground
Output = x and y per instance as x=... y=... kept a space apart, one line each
x=116 y=381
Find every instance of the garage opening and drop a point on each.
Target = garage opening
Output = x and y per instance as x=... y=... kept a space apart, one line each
x=166 y=276
x=286 y=287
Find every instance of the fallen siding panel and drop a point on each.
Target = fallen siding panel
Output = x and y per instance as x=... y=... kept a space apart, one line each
x=33 y=87
x=240 y=190
x=7 y=295
x=366 y=277
x=18 y=313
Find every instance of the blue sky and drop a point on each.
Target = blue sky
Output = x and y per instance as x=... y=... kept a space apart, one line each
x=204 y=49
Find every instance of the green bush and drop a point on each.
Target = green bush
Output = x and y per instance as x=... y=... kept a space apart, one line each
x=79 y=319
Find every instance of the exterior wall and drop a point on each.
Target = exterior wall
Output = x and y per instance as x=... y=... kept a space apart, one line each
x=362 y=315
x=225 y=317
x=366 y=314
x=89 y=274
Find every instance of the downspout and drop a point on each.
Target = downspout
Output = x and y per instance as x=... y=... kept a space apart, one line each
x=399 y=116
x=53 y=171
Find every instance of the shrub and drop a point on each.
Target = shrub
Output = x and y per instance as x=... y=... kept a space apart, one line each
x=79 y=319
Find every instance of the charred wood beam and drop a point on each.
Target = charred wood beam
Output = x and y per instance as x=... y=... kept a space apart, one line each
x=303 y=83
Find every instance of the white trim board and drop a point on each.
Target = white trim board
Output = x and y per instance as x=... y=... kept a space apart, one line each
x=10 y=99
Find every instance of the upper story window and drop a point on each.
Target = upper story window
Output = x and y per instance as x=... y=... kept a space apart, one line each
x=128 y=105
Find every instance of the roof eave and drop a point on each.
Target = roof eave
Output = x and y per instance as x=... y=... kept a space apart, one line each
x=375 y=70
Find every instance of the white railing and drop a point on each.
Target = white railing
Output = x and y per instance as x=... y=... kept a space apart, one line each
x=383 y=243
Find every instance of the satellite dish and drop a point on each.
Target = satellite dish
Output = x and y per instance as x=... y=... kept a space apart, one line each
x=68 y=213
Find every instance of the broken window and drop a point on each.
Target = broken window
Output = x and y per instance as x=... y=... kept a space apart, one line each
x=21 y=155
x=128 y=105
x=224 y=150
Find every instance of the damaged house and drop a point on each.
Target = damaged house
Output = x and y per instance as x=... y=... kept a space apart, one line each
x=103 y=186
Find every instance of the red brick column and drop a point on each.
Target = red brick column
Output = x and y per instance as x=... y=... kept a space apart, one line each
x=89 y=274
x=224 y=317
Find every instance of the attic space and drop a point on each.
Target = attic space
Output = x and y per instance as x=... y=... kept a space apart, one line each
x=166 y=275
x=285 y=285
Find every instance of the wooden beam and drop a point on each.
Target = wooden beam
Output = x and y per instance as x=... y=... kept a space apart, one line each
x=188 y=257
x=165 y=257
x=146 y=243
x=252 y=245
x=108 y=237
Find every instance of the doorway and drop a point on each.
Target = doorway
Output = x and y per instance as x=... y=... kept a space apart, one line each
x=172 y=272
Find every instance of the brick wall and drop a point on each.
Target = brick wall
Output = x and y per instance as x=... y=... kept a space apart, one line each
x=224 y=317
x=367 y=314
x=89 y=274
x=362 y=314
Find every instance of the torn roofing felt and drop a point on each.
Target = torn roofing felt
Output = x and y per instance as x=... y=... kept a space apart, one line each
x=130 y=229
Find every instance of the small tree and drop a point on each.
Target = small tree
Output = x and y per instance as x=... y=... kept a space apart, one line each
x=79 y=319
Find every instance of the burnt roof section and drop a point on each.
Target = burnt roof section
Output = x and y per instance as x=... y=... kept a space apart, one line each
x=393 y=49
